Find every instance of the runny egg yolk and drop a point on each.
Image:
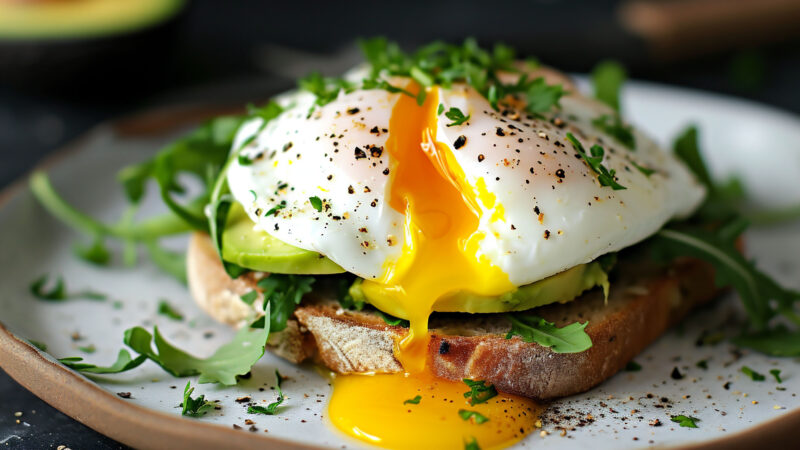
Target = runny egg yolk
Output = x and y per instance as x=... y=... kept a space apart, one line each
x=420 y=411
x=442 y=212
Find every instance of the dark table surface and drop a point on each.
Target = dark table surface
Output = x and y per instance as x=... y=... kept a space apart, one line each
x=232 y=52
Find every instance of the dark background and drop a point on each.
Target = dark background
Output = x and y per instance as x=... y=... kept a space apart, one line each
x=230 y=52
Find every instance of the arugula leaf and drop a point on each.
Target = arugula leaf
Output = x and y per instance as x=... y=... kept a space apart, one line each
x=477 y=417
x=456 y=116
x=595 y=162
x=282 y=294
x=607 y=79
x=58 y=292
x=755 y=288
x=755 y=376
x=472 y=445
x=779 y=341
x=325 y=89
x=230 y=360
x=687 y=149
x=123 y=363
x=249 y=297
x=272 y=408
x=88 y=348
x=172 y=263
x=542 y=97
x=647 y=172
x=685 y=421
x=413 y=401
x=165 y=309
x=777 y=374
x=479 y=392
x=531 y=328
x=96 y=253
x=195 y=407
x=346 y=286
x=612 y=125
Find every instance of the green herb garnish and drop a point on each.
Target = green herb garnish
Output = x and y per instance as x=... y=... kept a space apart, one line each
x=477 y=417
x=703 y=364
x=456 y=116
x=88 y=348
x=58 y=292
x=633 y=366
x=685 y=421
x=472 y=445
x=607 y=79
x=272 y=408
x=123 y=363
x=413 y=401
x=282 y=294
x=755 y=376
x=392 y=320
x=479 y=392
x=195 y=407
x=531 y=328
x=249 y=297
x=165 y=309
x=612 y=125
x=777 y=374
x=316 y=203
x=604 y=176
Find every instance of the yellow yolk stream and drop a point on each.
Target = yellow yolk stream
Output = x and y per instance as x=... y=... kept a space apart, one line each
x=374 y=409
x=442 y=215
x=439 y=257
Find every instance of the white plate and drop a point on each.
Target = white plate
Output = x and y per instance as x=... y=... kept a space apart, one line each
x=760 y=144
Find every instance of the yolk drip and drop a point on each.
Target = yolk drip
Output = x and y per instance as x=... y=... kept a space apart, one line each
x=372 y=409
x=442 y=216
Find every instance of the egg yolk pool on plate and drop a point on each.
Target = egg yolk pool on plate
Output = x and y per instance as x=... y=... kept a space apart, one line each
x=416 y=409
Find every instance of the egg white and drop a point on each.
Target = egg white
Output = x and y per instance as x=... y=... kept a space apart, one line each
x=337 y=153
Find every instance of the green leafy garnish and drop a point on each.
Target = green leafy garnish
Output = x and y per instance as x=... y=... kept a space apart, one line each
x=58 y=292
x=612 y=125
x=392 y=320
x=472 y=445
x=97 y=253
x=540 y=96
x=123 y=363
x=229 y=361
x=685 y=421
x=604 y=176
x=249 y=297
x=172 y=263
x=633 y=366
x=88 y=348
x=413 y=401
x=272 y=408
x=647 y=172
x=703 y=364
x=477 y=417
x=165 y=309
x=195 y=407
x=531 y=328
x=479 y=392
x=456 y=116
x=607 y=79
x=440 y=109
x=282 y=293
x=316 y=203
x=778 y=341
x=755 y=376
x=777 y=374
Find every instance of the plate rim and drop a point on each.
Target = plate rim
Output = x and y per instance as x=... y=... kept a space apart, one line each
x=83 y=400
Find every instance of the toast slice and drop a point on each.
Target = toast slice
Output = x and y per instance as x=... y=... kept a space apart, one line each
x=645 y=300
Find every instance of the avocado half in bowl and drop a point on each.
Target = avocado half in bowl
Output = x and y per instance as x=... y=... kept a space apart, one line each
x=75 y=44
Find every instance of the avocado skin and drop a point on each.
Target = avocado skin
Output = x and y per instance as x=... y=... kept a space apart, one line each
x=123 y=63
x=257 y=250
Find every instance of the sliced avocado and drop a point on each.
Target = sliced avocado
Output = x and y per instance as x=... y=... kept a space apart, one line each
x=81 y=18
x=561 y=287
x=258 y=250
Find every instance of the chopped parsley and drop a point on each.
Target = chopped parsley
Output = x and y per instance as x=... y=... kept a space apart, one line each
x=755 y=376
x=440 y=110
x=272 y=408
x=604 y=176
x=58 y=292
x=316 y=203
x=413 y=401
x=282 y=294
x=647 y=172
x=195 y=407
x=476 y=417
x=685 y=421
x=456 y=116
x=479 y=392
x=167 y=310
x=777 y=374
x=274 y=210
x=97 y=253
x=607 y=79
x=472 y=445
x=531 y=328
x=88 y=348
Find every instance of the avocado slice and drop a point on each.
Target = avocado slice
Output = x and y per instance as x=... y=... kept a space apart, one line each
x=561 y=287
x=254 y=249
x=81 y=18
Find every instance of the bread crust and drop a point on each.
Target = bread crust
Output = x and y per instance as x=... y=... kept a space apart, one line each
x=643 y=303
